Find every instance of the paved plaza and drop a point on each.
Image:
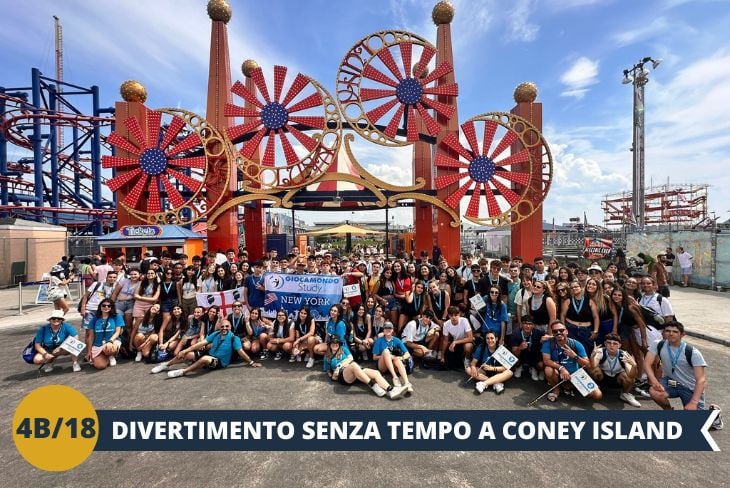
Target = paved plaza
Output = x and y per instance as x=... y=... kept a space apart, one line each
x=281 y=385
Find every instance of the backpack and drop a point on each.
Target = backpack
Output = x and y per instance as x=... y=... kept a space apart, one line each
x=651 y=317
x=620 y=358
x=688 y=348
x=88 y=294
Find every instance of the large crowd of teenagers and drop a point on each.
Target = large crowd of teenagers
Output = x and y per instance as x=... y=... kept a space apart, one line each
x=412 y=312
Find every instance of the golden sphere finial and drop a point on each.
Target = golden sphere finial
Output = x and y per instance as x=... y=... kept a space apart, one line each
x=248 y=66
x=526 y=92
x=443 y=13
x=133 y=91
x=219 y=10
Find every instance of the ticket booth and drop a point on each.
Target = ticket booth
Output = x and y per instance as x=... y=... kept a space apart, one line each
x=135 y=240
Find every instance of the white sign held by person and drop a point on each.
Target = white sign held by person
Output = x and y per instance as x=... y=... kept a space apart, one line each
x=477 y=302
x=505 y=358
x=351 y=290
x=73 y=345
x=224 y=299
x=583 y=382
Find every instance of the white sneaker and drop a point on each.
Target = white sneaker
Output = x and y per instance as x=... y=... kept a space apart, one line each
x=534 y=375
x=409 y=387
x=396 y=382
x=541 y=376
x=160 y=368
x=378 y=389
x=629 y=398
x=641 y=392
x=175 y=373
x=480 y=386
x=518 y=371
x=76 y=367
x=112 y=361
x=139 y=357
x=498 y=388
x=278 y=356
x=48 y=368
x=430 y=355
x=292 y=358
x=396 y=392
x=310 y=362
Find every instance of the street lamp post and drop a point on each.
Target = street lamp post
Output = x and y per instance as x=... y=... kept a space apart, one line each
x=638 y=77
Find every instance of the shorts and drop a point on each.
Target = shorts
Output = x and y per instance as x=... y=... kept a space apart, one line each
x=341 y=380
x=97 y=350
x=399 y=304
x=390 y=305
x=682 y=392
x=610 y=382
x=215 y=362
x=687 y=270
x=124 y=306
x=168 y=305
x=140 y=308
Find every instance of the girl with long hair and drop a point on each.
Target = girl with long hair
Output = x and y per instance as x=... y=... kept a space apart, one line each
x=580 y=316
x=188 y=288
x=494 y=313
x=361 y=327
x=415 y=303
x=145 y=335
x=145 y=296
x=607 y=319
x=170 y=335
x=541 y=306
x=282 y=335
x=305 y=335
x=103 y=339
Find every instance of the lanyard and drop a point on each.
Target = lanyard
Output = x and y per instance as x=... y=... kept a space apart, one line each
x=236 y=322
x=674 y=358
x=526 y=339
x=54 y=335
x=540 y=302
x=401 y=283
x=620 y=314
x=167 y=287
x=612 y=364
x=645 y=300
x=579 y=307
x=438 y=302
x=417 y=302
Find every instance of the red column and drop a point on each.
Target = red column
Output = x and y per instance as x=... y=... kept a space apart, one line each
x=124 y=110
x=219 y=92
x=527 y=234
x=447 y=238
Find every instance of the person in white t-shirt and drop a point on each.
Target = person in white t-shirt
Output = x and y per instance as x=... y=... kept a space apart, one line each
x=685 y=263
x=457 y=338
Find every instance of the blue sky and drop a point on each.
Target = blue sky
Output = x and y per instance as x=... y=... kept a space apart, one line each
x=575 y=50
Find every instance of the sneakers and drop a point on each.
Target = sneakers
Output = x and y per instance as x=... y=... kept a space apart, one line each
x=377 y=389
x=48 y=368
x=310 y=362
x=641 y=391
x=396 y=382
x=139 y=357
x=175 y=373
x=293 y=358
x=112 y=361
x=498 y=388
x=518 y=371
x=629 y=398
x=264 y=354
x=409 y=387
x=717 y=424
x=480 y=386
x=430 y=355
x=541 y=375
x=534 y=375
x=396 y=391
x=160 y=368
x=278 y=356
x=76 y=367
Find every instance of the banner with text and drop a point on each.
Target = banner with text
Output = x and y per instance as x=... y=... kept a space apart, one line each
x=597 y=248
x=293 y=291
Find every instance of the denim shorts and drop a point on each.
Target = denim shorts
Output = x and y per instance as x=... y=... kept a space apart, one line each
x=124 y=306
x=168 y=305
x=682 y=392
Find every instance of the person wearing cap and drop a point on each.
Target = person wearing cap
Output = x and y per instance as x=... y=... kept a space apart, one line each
x=392 y=355
x=48 y=340
x=342 y=368
x=595 y=271
x=526 y=344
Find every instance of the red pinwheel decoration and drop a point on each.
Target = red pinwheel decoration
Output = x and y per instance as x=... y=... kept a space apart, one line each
x=488 y=170
x=408 y=89
x=302 y=114
x=170 y=162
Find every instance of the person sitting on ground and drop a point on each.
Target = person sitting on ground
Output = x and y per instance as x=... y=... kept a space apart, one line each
x=484 y=367
x=145 y=336
x=615 y=368
x=563 y=356
x=190 y=333
x=170 y=335
x=48 y=342
x=222 y=345
x=335 y=327
x=306 y=336
x=526 y=346
x=103 y=339
x=340 y=367
x=457 y=338
x=361 y=327
x=422 y=336
x=391 y=355
x=258 y=328
x=282 y=335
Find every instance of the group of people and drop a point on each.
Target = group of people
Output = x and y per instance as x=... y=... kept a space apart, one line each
x=555 y=319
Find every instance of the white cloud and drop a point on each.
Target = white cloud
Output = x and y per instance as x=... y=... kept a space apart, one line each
x=520 y=27
x=641 y=33
x=582 y=74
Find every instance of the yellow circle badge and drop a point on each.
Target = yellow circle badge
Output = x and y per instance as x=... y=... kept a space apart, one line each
x=55 y=428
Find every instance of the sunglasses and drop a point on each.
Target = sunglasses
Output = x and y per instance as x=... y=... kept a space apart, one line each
x=56 y=318
x=237 y=305
x=562 y=289
x=106 y=305
x=494 y=293
x=559 y=331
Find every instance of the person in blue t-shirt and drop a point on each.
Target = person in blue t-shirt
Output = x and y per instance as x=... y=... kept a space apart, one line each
x=255 y=289
x=342 y=368
x=391 y=354
x=335 y=327
x=103 y=336
x=485 y=369
x=48 y=342
x=494 y=314
x=222 y=345
x=562 y=357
